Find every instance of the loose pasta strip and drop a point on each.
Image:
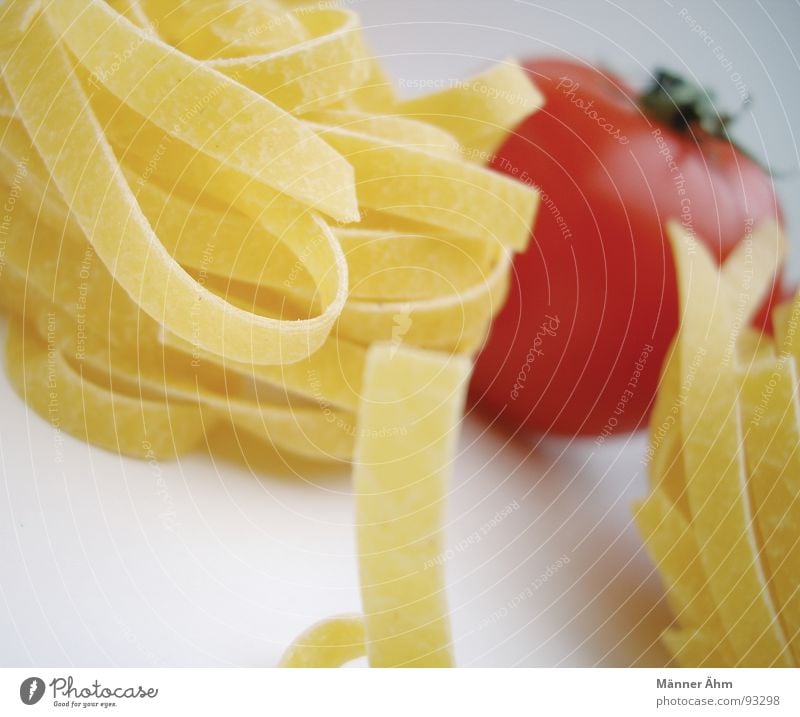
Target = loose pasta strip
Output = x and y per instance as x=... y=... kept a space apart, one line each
x=412 y=403
x=330 y=643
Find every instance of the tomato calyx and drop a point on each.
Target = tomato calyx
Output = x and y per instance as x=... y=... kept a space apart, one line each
x=683 y=105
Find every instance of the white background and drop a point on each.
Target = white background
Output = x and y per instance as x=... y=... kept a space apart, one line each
x=106 y=561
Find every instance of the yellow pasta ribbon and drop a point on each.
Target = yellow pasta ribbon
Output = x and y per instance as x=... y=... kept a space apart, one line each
x=721 y=522
x=330 y=643
x=412 y=403
x=479 y=111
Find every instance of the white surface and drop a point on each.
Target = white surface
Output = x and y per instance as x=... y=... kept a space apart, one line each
x=109 y=561
x=113 y=561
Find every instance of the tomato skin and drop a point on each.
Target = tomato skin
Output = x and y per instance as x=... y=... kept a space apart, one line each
x=599 y=265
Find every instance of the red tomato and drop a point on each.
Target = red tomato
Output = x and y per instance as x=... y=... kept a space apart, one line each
x=593 y=303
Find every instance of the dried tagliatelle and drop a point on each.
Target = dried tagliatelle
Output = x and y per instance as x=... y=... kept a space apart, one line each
x=218 y=207
x=411 y=409
x=224 y=217
x=723 y=518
